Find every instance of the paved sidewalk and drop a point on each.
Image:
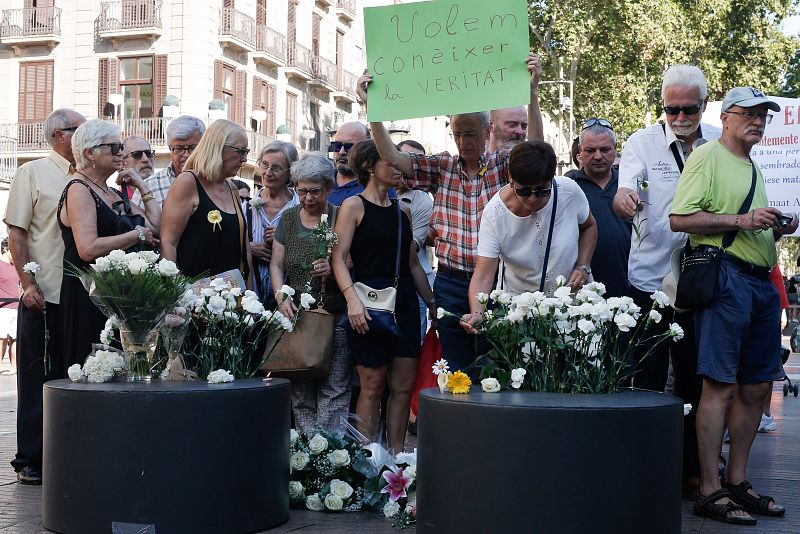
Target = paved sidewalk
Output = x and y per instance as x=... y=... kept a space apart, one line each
x=774 y=469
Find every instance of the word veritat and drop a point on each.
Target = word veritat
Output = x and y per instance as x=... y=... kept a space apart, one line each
x=455 y=57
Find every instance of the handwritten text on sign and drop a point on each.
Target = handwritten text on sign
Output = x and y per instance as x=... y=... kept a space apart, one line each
x=443 y=57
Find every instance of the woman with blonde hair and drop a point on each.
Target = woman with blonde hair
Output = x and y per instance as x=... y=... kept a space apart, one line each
x=203 y=227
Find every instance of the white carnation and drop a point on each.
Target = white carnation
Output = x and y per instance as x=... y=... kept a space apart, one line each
x=306 y=301
x=624 y=322
x=252 y=306
x=220 y=376
x=391 y=509
x=219 y=284
x=217 y=305
x=661 y=299
x=517 y=377
x=654 y=316
x=287 y=290
x=675 y=331
x=75 y=373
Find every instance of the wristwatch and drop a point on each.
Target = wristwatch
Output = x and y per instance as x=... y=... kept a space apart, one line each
x=585 y=267
x=141 y=233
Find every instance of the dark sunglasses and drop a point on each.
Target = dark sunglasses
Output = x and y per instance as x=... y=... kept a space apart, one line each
x=676 y=110
x=70 y=129
x=336 y=146
x=137 y=154
x=116 y=148
x=595 y=122
x=527 y=191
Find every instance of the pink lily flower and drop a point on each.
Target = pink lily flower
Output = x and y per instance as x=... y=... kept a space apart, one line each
x=397 y=485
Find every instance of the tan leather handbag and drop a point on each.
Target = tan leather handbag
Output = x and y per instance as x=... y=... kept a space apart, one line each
x=306 y=351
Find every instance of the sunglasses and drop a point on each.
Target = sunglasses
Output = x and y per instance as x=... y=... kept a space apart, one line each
x=242 y=152
x=116 y=148
x=137 y=154
x=527 y=191
x=336 y=146
x=70 y=129
x=687 y=110
x=597 y=122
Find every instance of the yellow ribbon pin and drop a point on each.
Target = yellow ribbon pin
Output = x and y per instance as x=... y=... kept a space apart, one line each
x=215 y=218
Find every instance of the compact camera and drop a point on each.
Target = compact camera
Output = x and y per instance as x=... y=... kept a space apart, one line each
x=784 y=221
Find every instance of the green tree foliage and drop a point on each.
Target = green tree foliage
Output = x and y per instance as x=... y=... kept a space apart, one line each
x=791 y=83
x=616 y=52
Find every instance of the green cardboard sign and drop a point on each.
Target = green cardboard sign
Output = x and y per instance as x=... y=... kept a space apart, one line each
x=446 y=56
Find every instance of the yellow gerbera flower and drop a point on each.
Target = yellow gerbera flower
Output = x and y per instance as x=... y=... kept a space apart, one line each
x=458 y=382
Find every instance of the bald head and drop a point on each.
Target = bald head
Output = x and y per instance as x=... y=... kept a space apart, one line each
x=138 y=156
x=509 y=127
x=349 y=132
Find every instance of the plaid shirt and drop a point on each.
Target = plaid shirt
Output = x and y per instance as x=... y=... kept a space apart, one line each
x=159 y=184
x=459 y=200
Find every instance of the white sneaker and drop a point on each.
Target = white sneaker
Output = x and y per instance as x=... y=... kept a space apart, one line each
x=767 y=424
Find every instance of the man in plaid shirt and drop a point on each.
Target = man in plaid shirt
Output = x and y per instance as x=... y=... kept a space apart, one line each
x=463 y=184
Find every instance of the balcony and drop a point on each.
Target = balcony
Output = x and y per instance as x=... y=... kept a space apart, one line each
x=236 y=30
x=30 y=27
x=299 y=62
x=129 y=20
x=324 y=4
x=256 y=141
x=29 y=136
x=323 y=74
x=270 y=48
x=346 y=10
x=346 y=87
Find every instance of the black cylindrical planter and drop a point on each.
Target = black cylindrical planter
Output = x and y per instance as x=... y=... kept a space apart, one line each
x=550 y=463
x=184 y=456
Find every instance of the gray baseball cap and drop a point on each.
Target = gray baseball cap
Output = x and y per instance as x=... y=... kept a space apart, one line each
x=747 y=97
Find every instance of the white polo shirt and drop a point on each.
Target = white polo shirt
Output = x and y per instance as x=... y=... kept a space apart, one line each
x=647 y=157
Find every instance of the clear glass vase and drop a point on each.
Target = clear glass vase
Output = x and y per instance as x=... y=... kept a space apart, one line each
x=139 y=347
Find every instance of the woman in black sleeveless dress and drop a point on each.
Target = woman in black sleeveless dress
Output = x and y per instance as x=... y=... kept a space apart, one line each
x=203 y=228
x=367 y=227
x=89 y=230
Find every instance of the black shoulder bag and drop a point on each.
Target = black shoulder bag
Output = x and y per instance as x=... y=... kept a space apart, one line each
x=127 y=220
x=697 y=285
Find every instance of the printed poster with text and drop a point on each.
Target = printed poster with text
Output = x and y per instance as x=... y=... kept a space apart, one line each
x=442 y=57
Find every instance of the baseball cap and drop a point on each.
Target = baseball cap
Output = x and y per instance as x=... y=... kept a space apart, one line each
x=747 y=97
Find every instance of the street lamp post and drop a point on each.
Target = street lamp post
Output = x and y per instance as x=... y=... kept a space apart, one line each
x=116 y=100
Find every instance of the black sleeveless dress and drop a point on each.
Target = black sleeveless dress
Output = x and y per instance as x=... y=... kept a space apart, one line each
x=80 y=321
x=208 y=250
x=374 y=253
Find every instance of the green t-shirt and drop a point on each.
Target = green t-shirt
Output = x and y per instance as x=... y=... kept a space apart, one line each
x=716 y=181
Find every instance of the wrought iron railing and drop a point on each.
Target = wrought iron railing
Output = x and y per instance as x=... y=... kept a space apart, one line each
x=30 y=21
x=129 y=15
x=346 y=82
x=272 y=42
x=238 y=25
x=324 y=70
x=347 y=5
x=300 y=57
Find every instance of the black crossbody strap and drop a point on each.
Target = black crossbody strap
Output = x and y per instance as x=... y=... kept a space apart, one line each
x=674 y=148
x=399 y=235
x=549 y=235
x=727 y=239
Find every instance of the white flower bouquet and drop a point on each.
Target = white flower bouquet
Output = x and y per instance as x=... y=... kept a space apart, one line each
x=102 y=366
x=564 y=343
x=393 y=490
x=326 y=472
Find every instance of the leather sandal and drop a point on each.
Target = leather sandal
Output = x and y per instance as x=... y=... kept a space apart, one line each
x=753 y=505
x=707 y=506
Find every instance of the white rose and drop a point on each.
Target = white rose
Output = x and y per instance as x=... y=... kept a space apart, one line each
x=411 y=471
x=101 y=265
x=299 y=460
x=391 y=509
x=439 y=313
x=313 y=502
x=339 y=458
x=137 y=265
x=295 y=489
x=495 y=294
x=490 y=385
x=167 y=268
x=149 y=256
x=293 y=436
x=306 y=301
x=74 y=372
x=341 y=489
x=482 y=297
x=317 y=444
x=517 y=377
x=116 y=255
x=561 y=280
x=408 y=458
x=323 y=219
x=675 y=331
x=333 y=502
x=655 y=316
x=504 y=298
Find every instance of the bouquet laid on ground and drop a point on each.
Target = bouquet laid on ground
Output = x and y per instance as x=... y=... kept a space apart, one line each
x=393 y=490
x=561 y=344
x=328 y=471
x=137 y=289
x=230 y=328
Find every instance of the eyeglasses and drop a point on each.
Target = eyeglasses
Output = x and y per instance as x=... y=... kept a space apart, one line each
x=70 y=129
x=137 y=154
x=274 y=169
x=466 y=136
x=336 y=146
x=116 y=148
x=751 y=116
x=687 y=110
x=596 y=122
x=242 y=152
x=178 y=150
x=315 y=193
x=527 y=191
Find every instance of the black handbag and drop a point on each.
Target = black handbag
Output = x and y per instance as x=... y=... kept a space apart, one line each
x=127 y=220
x=697 y=285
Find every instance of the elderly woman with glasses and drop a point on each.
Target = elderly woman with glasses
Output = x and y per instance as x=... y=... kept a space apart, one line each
x=298 y=261
x=88 y=216
x=538 y=225
x=264 y=211
x=203 y=227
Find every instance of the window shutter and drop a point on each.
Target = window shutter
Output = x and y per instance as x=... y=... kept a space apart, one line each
x=273 y=98
x=240 y=97
x=261 y=13
x=159 y=83
x=315 y=32
x=102 y=88
x=291 y=32
x=218 y=79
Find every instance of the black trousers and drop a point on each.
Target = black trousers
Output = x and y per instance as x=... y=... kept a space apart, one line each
x=651 y=373
x=688 y=386
x=31 y=377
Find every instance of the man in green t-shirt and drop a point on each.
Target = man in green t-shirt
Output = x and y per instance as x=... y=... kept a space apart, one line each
x=738 y=334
